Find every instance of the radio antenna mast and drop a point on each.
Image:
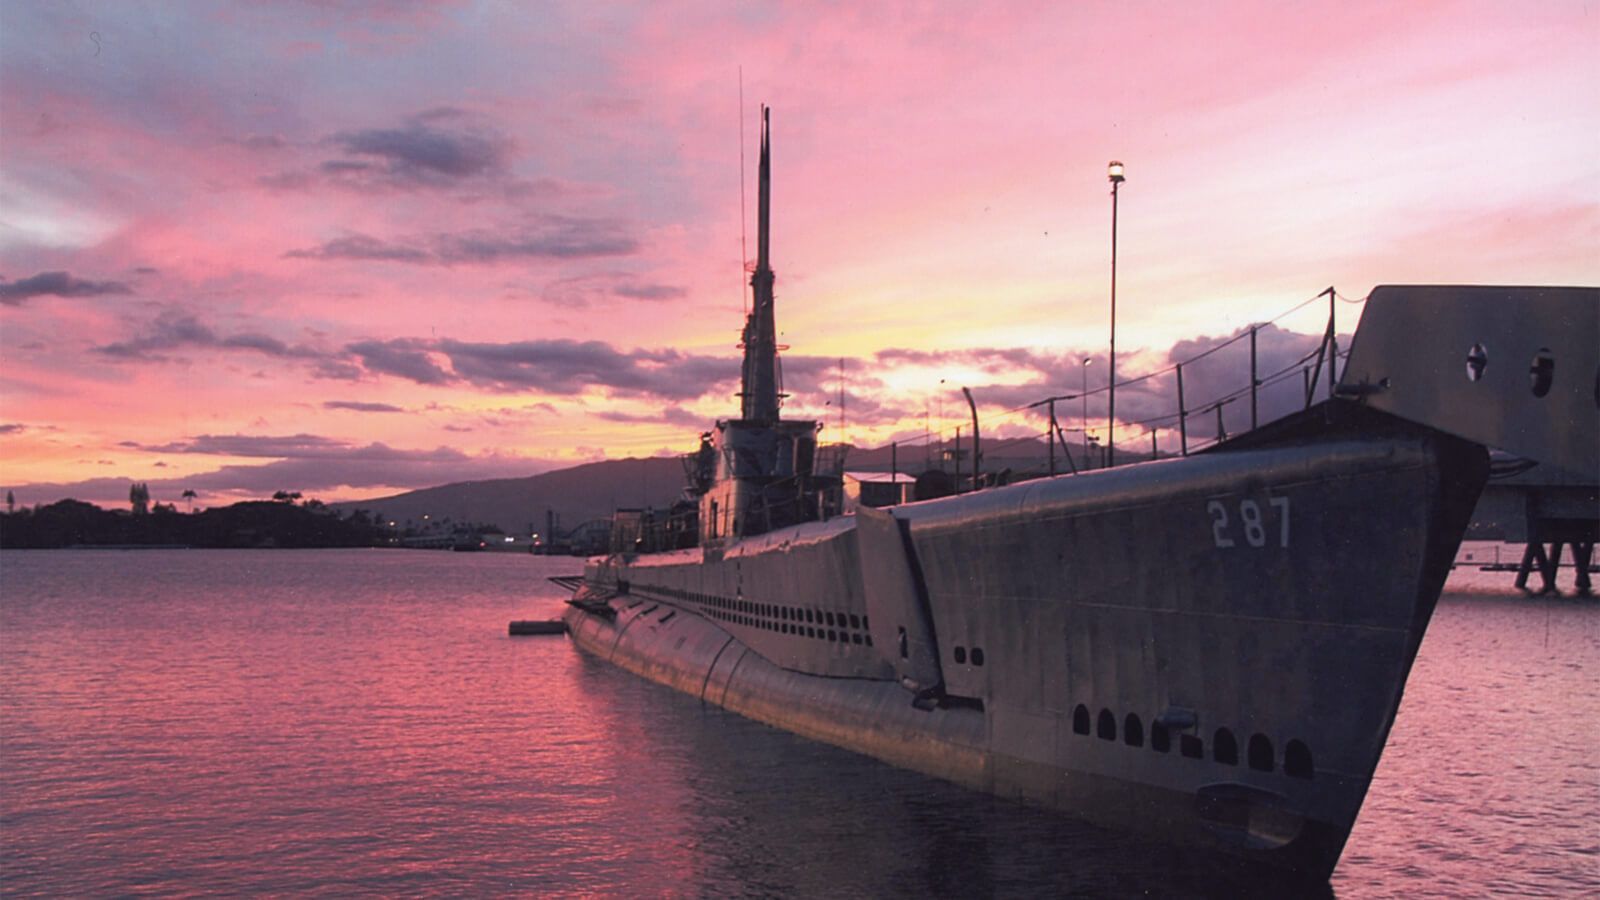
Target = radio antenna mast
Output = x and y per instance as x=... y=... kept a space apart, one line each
x=744 y=254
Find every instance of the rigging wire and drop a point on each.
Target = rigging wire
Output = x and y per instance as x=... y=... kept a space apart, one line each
x=744 y=252
x=942 y=436
x=1271 y=379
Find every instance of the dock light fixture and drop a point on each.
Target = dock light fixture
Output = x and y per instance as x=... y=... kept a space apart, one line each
x=1114 y=173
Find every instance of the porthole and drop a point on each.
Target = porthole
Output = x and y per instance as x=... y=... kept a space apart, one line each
x=1260 y=753
x=1191 y=746
x=1080 y=720
x=961 y=656
x=1477 y=361
x=977 y=656
x=1297 y=760
x=1224 y=749
x=1132 y=731
x=827 y=618
x=1542 y=372
x=1160 y=738
x=1106 y=728
x=855 y=621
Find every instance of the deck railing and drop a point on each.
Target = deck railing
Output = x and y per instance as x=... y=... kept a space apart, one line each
x=1186 y=425
x=1317 y=370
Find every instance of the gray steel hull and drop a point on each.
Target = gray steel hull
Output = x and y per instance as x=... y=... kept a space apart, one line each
x=1260 y=608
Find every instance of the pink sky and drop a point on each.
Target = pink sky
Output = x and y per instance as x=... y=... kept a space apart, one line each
x=352 y=248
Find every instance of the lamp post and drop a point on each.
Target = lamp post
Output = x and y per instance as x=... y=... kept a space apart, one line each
x=1084 y=394
x=1114 y=173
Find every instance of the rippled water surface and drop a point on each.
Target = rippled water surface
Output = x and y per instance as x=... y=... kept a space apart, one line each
x=358 y=722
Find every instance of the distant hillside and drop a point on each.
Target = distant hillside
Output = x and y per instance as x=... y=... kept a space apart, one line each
x=589 y=491
x=594 y=490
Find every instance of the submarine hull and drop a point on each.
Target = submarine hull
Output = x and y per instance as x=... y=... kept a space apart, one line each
x=1208 y=650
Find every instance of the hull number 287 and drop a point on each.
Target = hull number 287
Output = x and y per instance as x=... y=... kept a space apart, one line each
x=1254 y=527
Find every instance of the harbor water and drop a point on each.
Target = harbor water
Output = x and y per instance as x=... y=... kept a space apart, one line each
x=359 y=722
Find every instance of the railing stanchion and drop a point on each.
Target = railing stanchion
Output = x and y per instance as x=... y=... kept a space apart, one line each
x=1183 y=425
x=958 y=459
x=1254 y=382
x=1050 y=435
x=1333 y=342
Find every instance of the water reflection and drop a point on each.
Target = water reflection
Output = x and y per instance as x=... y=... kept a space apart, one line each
x=770 y=814
x=358 y=723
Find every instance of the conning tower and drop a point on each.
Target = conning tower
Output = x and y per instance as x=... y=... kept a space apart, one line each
x=758 y=388
x=764 y=464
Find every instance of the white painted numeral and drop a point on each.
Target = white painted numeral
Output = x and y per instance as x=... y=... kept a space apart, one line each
x=1254 y=525
x=1282 y=505
x=1250 y=512
x=1219 y=523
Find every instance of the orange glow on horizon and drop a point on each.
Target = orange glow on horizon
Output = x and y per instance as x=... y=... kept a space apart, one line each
x=311 y=265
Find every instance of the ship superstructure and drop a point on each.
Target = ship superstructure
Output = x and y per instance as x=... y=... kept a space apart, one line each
x=1209 y=649
x=762 y=465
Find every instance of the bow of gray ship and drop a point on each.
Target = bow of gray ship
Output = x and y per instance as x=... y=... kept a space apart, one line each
x=1210 y=649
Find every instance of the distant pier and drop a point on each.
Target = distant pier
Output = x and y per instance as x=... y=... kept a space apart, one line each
x=537 y=626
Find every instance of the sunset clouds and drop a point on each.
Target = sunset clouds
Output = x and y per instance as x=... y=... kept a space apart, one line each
x=354 y=248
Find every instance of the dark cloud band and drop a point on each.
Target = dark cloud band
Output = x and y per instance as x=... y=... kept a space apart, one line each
x=58 y=284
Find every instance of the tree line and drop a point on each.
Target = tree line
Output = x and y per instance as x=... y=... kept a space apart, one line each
x=257 y=523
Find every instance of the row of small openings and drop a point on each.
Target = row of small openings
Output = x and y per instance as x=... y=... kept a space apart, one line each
x=796 y=614
x=826 y=634
x=1224 y=747
x=1541 y=372
x=961 y=655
